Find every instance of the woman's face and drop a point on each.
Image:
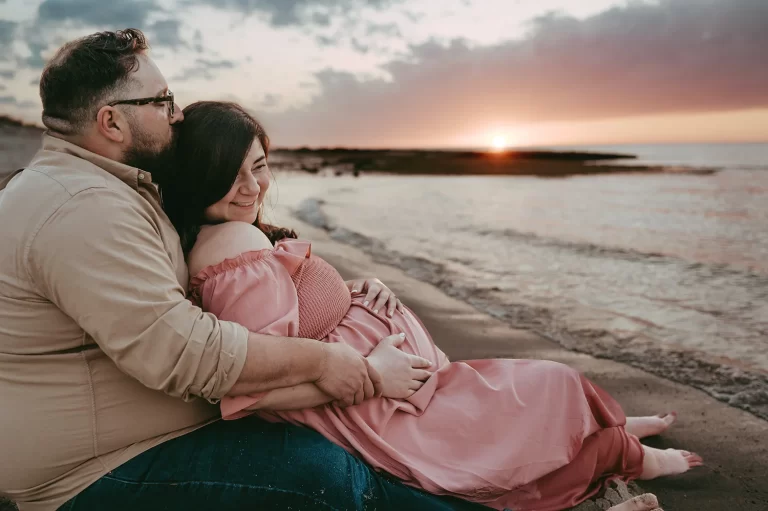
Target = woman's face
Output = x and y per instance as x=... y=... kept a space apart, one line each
x=244 y=199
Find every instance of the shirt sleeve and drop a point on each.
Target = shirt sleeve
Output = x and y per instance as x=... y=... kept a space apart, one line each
x=100 y=259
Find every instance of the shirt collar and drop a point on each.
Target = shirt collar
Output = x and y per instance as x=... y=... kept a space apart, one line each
x=131 y=176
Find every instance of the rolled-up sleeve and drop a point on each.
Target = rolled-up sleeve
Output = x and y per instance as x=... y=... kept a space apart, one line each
x=101 y=260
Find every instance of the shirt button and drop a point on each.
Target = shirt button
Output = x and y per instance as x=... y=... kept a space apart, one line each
x=141 y=176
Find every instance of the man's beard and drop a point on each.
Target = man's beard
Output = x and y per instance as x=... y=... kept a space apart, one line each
x=160 y=163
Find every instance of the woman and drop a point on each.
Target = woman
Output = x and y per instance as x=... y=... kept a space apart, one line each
x=521 y=434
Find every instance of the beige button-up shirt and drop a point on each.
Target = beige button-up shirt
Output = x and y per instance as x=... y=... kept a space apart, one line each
x=101 y=355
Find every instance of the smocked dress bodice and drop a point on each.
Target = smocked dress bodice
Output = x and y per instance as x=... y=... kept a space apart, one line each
x=323 y=298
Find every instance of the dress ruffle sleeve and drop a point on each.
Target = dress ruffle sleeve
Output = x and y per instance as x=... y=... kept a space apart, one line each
x=255 y=290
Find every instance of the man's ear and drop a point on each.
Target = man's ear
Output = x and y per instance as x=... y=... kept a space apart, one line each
x=112 y=124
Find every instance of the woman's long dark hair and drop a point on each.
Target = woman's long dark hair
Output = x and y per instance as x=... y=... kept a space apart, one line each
x=211 y=144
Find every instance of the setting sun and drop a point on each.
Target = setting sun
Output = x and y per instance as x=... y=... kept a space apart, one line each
x=499 y=142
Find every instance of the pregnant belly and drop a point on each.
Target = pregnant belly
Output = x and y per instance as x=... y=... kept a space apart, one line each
x=363 y=329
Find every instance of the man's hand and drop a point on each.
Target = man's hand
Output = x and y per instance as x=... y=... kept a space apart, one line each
x=402 y=374
x=345 y=375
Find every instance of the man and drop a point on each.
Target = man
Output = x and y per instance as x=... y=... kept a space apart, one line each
x=108 y=375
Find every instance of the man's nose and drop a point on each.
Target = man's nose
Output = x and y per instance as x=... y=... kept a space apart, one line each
x=178 y=114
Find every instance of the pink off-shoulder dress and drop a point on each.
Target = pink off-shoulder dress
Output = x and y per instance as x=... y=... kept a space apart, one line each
x=520 y=434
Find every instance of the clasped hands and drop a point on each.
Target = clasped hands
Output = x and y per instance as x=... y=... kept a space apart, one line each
x=387 y=371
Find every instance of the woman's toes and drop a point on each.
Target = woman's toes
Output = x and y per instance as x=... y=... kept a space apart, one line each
x=651 y=425
x=668 y=418
x=657 y=463
x=693 y=459
x=644 y=502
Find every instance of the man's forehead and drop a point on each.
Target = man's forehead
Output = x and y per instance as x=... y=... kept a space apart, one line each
x=148 y=77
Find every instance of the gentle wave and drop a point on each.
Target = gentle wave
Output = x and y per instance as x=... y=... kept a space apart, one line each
x=661 y=332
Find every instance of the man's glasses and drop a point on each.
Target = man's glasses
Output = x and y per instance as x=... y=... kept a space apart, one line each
x=168 y=98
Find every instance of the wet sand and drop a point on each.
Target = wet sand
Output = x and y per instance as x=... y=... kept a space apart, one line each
x=733 y=442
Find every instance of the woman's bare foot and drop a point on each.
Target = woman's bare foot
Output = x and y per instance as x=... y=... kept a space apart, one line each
x=667 y=462
x=644 y=502
x=642 y=427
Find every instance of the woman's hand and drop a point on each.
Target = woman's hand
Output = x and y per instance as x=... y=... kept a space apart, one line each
x=401 y=374
x=378 y=291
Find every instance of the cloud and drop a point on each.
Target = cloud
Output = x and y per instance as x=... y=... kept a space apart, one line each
x=673 y=56
x=360 y=37
x=7 y=30
x=323 y=40
x=385 y=29
x=166 y=33
x=7 y=74
x=359 y=46
x=98 y=13
x=203 y=69
x=321 y=18
x=52 y=15
x=270 y=100
x=7 y=33
x=36 y=59
x=10 y=100
x=197 y=42
x=283 y=13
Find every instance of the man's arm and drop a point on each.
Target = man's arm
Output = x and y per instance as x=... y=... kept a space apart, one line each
x=101 y=261
x=404 y=374
x=297 y=397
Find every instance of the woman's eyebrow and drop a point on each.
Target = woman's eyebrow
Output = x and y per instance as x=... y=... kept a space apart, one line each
x=258 y=160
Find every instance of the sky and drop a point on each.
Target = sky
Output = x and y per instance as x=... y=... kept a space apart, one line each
x=434 y=73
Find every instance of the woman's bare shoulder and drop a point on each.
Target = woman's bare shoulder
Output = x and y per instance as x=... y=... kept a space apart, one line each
x=215 y=243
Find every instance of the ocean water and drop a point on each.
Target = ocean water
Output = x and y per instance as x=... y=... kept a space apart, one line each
x=668 y=272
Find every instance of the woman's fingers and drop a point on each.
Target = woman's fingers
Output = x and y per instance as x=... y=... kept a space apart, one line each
x=391 y=304
x=395 y=340
x=356 y=286
x=377 y=295
x=415 y=385
x=421 y=374
x=420 y=362
x=381 y=301
x=373 y=291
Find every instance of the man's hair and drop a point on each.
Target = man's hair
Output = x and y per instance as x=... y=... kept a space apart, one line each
x=85 y=74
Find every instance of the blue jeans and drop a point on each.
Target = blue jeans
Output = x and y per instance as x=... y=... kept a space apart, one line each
x=250 y=464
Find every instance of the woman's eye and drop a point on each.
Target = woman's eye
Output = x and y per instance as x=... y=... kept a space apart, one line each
x=258 y=169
